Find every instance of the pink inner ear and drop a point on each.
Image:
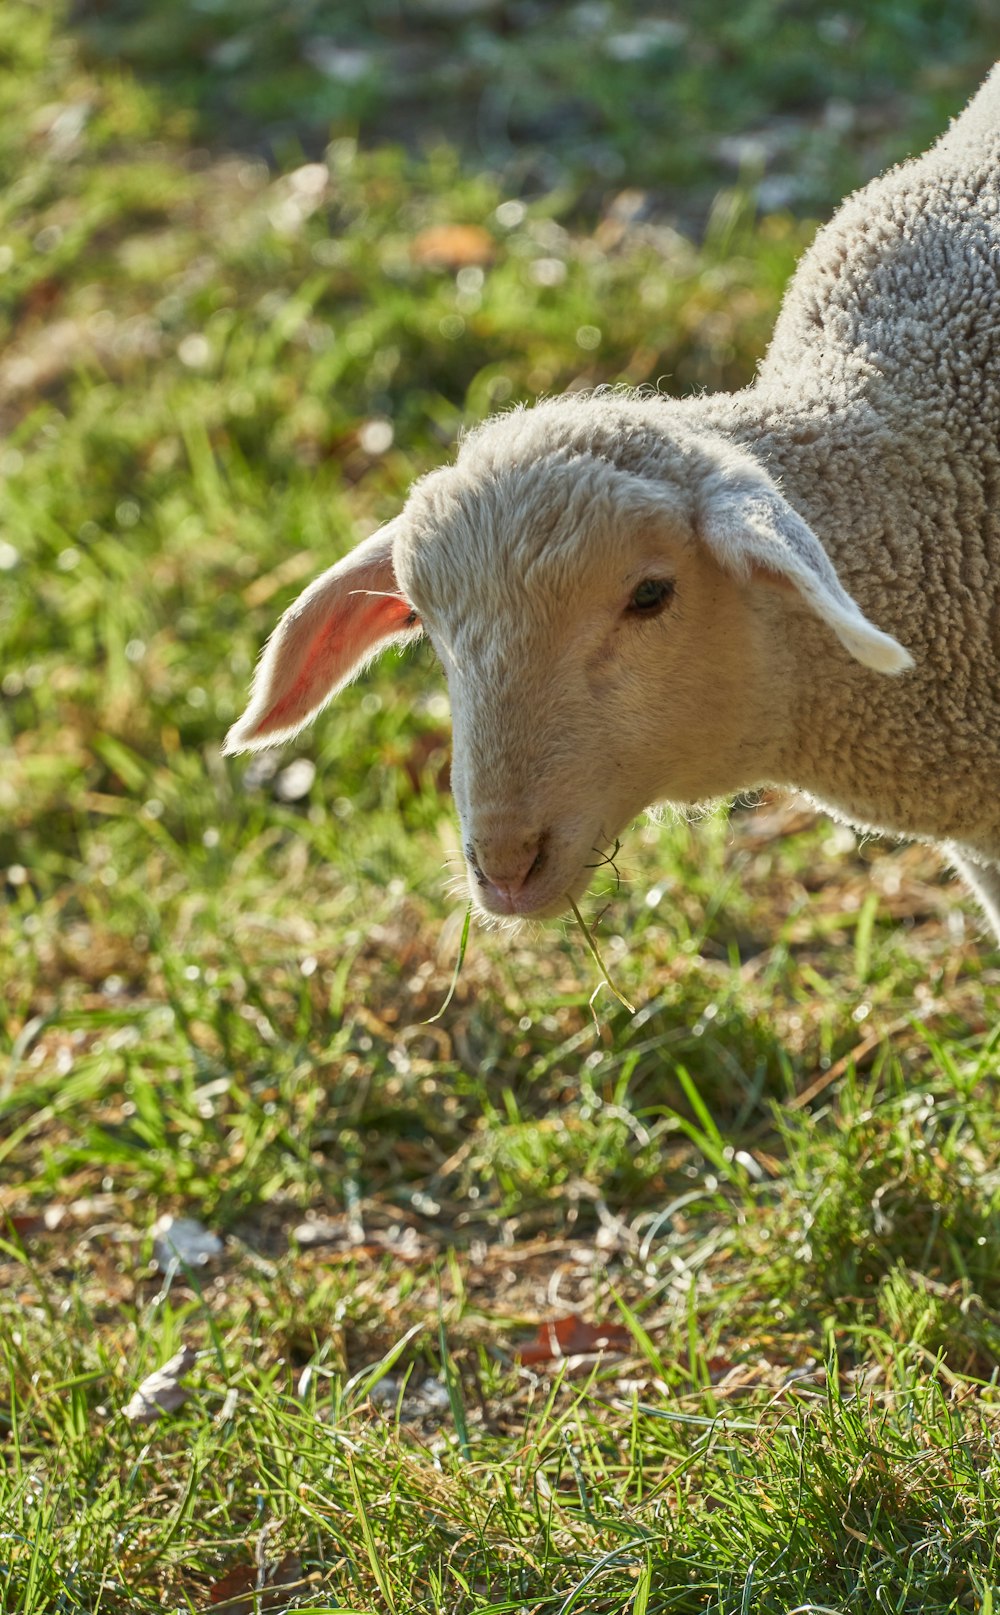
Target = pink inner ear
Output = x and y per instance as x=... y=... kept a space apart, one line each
x=344 y=640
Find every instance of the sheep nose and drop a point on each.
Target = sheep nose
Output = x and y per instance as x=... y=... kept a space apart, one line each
x=504 y=868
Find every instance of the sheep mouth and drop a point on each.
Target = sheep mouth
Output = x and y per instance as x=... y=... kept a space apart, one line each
x=520 y=908
x=540 y=900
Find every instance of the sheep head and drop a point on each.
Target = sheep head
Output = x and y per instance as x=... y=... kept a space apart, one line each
x=614 y=616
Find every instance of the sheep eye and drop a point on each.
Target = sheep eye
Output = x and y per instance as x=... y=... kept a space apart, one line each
x=650 y=596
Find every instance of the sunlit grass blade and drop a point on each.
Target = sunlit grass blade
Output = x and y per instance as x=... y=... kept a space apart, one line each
x=595 y=952
x=368 y=1537
x=359 y=1385
x=463 y=942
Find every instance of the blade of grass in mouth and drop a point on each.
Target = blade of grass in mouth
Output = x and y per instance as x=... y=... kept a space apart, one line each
x=602 y=967
x=458 y=968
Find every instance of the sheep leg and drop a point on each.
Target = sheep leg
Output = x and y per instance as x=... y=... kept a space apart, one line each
x=984 y=879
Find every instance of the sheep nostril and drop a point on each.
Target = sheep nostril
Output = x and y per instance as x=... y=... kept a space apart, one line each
x=504 y=867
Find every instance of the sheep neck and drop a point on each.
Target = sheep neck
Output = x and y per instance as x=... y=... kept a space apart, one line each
x=900 y=754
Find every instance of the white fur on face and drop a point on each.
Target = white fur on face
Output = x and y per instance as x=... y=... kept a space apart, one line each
x=571 y=714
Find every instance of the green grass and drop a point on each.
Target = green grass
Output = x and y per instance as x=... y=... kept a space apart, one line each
x=497 y=81
x=781 y=1175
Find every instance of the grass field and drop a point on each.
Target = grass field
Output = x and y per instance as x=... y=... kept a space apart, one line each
x=258 y=266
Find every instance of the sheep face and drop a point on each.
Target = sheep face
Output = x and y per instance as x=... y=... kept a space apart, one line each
x=617 y=611
x=598 y=659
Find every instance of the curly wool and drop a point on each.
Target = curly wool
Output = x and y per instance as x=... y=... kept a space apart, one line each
x=888 y=349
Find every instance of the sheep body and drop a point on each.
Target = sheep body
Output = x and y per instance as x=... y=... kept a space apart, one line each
x=637 y=599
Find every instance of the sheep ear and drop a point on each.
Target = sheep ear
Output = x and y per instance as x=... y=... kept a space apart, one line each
x=334 y=628
x=754 y=527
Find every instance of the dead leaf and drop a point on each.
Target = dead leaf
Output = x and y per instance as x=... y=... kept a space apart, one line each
x=41 y=298
x=243 y=1590
x=230 y=1590
x=21 y=1226
x=453 y=246
x=729 y=1375
x=27 y=1224
x=161 y=1391
x=574 y=1337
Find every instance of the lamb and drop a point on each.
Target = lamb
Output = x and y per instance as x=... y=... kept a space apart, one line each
x=637 y=599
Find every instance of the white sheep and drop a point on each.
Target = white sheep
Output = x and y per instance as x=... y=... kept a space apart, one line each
x=636 y=599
